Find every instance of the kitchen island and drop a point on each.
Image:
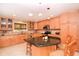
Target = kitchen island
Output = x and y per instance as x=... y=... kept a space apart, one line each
x=39 y=47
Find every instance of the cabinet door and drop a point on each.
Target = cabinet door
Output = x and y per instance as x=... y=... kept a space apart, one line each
x=64 y=33
x=41 y=24
x=74 y=30
x=35 y=25
x=56 y=23
x=0 y=23
x=13 y=40
x=4 y=42
x=77 y=31
x=64 y=27
x=42 y=51
x=78 y=37
x=69 y=26
x=52 y=23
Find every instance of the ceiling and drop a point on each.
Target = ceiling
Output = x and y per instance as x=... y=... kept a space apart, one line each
x=20 y=11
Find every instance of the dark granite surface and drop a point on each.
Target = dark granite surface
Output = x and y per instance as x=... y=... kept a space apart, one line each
x=39 y=41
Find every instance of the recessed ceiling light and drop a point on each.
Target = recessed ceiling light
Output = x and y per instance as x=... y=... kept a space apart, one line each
x=48 y=18
x=40 y=14
x=51 y=15
x=14 y=15
x=30 y=14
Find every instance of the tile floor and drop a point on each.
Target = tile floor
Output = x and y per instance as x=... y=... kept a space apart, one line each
x=15 y=50
x=20 y=50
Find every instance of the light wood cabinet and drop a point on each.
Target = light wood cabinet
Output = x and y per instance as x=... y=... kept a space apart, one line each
x=41 y=24
x=42 y=51
x=4 y=42
x=6 y=24
x=30 y=25
x=69 y=26
x=11 y=40
x=55 y=23
x=64 y=27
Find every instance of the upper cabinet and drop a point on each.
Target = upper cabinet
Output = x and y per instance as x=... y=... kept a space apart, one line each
x=30 y=25
x=6 y=24
x=55 y=23
x=69 y=24
x=41 y=24
x=10 y=24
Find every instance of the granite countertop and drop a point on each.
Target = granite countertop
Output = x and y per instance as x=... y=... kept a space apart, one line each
x=39 y=41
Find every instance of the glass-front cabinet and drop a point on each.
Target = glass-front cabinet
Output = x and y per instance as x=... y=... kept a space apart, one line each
x=6 y=24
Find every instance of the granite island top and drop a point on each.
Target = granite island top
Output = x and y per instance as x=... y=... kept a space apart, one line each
x=39 y=41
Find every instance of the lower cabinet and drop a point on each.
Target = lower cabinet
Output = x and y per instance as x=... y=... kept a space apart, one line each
x=11 y=40
x=42 y=51
x=4 y=42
